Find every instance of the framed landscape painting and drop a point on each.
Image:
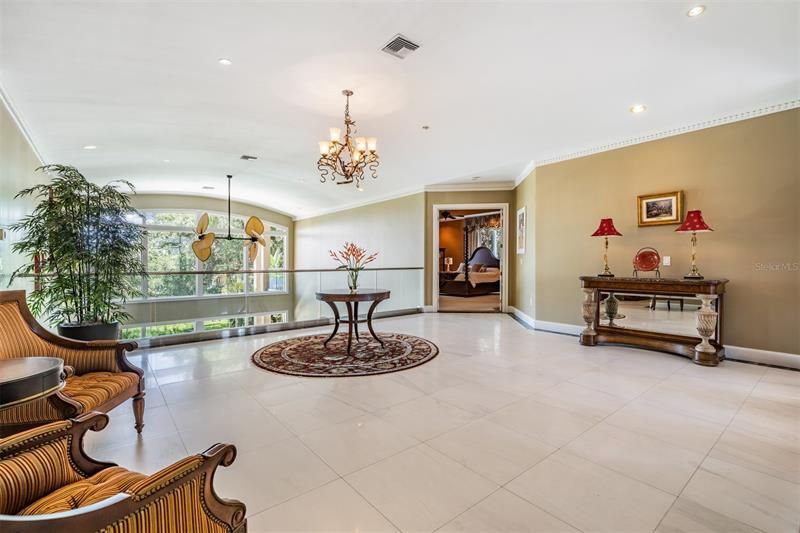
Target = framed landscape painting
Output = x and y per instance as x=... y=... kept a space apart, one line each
x=521 y=223
x=659 y=209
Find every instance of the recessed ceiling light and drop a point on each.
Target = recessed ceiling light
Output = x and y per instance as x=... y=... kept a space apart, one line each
x=638 y=108
x=166 y=161
x=90 y=147
x=696 y=11
x=225 y=61
x=208 y=187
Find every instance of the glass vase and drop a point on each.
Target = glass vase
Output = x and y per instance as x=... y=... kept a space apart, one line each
x=352 y=280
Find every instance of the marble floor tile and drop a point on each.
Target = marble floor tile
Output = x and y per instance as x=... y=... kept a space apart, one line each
x=353 y=444
x=615 y=383
x=686 y=516
x=332 y=508
x=272 y=474
x=662 y=465
x=759 y=452
x=425 y=417
x=120 y=430
x=492 y=450
x=764 y=502
x=315 y=412
x=591 y=497
x=477 y=399
x=504 y=512
x=420 y=490
x=545 y=423
x=376 y=393
x=667 y=425
x=147 y=455
x=581 y=400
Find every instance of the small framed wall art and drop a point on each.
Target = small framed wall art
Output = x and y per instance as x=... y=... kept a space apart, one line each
x=521 y=229
x=660 y=209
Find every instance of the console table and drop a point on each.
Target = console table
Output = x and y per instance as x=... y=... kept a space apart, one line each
x=707 y=349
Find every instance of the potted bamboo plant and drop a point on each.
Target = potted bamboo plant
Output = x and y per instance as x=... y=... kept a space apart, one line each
x=83 y=251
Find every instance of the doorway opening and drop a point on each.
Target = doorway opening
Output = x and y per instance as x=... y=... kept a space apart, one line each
x=470 y=254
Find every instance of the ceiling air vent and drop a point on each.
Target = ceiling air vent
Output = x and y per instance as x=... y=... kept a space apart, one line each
x=400 y=46
x=248 y=157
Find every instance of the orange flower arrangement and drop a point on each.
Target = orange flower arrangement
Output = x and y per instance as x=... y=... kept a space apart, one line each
x=353 y=259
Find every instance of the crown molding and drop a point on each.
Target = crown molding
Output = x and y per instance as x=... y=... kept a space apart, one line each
x=530 y=167
x=20 y=124
x=488 y=186
x=726 y=119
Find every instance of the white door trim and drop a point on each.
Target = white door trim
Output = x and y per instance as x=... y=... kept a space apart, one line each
x=435 y=250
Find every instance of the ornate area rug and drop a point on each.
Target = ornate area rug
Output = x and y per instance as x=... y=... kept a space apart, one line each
x=306 y=356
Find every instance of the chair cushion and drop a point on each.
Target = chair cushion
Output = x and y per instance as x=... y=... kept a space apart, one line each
x=95 y=388
x=96 y=488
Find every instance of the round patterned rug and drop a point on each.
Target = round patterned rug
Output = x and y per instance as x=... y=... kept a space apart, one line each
x=306 y=356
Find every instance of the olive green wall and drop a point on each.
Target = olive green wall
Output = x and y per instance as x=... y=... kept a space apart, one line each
x=17 y=171
x=468 y=197
x=744 y=176
x=525 y=297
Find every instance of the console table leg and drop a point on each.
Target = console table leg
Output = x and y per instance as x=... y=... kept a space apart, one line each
x=589 y=335
x=706 y=323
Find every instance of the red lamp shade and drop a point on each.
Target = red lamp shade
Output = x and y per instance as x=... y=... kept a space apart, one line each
x=694 y=222
x=606 y=229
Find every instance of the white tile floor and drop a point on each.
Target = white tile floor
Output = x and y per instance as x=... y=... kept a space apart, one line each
x=506 y=430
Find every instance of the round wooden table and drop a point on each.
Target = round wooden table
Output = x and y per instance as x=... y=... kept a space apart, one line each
x=351 y=300
x=28 y=378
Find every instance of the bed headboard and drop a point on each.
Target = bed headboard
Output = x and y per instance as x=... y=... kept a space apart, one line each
x=483 y=256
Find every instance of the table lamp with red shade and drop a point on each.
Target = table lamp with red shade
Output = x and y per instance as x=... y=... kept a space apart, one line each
x=695 y=224
x=606 y=229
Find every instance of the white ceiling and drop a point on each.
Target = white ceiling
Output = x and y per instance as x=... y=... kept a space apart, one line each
x=499 y=83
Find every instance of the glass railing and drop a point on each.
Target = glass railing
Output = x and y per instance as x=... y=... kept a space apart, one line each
x=187 y=306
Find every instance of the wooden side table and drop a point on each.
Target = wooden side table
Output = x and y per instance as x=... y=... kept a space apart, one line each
x=351 y=300
x=28 y=378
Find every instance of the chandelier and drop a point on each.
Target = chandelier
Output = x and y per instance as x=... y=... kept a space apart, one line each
x=205 y=239
x=343 y=161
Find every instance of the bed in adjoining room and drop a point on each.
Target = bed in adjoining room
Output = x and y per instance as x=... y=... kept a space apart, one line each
x=480 y=276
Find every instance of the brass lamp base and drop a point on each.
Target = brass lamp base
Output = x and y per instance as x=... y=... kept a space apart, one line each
x=693 y=276
x=605 y=275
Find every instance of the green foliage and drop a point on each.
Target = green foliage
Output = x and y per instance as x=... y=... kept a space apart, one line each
x=86 y=249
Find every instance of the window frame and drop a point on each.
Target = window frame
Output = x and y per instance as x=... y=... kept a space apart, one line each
x=199 y=291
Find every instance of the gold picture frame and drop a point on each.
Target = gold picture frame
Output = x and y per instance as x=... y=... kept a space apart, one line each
x=660 y=209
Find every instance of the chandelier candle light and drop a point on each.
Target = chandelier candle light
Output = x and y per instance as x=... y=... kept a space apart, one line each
x=343 y=161
x=353 y=259
x=695 y=224
x=606 y=229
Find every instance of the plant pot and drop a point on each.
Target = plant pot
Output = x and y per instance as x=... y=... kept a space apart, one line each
x=99 y=331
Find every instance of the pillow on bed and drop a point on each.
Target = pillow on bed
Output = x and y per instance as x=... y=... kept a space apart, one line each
x=460 y=267
x=491 y=269
x=475 y=267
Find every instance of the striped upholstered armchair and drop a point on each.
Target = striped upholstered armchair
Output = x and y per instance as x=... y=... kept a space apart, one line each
x=48 y=484
x=99 y=375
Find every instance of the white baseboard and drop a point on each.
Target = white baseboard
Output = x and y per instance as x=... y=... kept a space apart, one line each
x=528 y=320
x=754 y=355
x=751 y=355
x=558 y=327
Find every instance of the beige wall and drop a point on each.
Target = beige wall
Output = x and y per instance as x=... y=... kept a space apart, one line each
x=524 y=297
x=466 y=197
x=17 y=165
x=392 y=228
x=744 y=176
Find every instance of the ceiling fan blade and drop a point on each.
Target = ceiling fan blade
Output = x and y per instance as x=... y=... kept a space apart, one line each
x=252 y=252
x=254 y=224
x=201 y=251
x=202 y=224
